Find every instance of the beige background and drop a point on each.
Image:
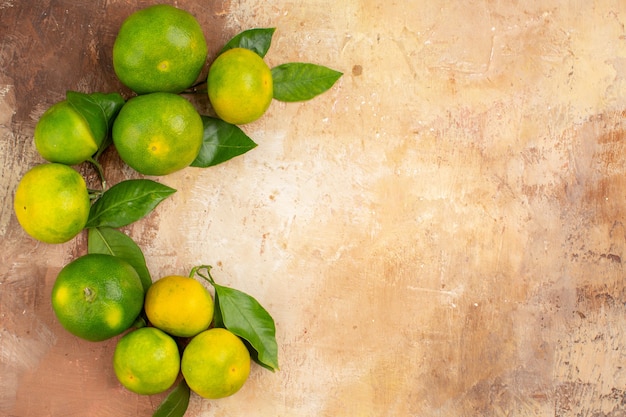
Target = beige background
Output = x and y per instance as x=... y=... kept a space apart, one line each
x=441 y=234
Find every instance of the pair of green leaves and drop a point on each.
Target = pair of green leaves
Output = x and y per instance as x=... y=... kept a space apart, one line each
x=293 y=81
x=119 y=206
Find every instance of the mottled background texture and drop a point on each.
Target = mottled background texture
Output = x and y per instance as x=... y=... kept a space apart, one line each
x=443 y=233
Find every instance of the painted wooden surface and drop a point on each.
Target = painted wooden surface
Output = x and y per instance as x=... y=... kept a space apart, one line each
x=441 y=234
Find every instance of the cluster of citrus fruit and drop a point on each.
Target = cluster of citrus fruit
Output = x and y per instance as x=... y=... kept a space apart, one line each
x=99 y=296
x=159 y=54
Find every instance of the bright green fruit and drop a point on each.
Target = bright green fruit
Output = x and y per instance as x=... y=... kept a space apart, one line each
x=146 y=361
x=159 y=48
x=158 y=133
x=97 y=296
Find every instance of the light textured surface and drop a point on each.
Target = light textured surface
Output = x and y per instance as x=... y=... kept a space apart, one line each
x=441 y=234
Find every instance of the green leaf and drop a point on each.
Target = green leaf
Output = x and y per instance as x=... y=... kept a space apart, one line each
x=99 y=110
x=113 y=242
x=258 y=40
x=221 y=141
x=297 y=81
x=244 y=316
x=127 y=202
x=218 y=321
x=176 y=402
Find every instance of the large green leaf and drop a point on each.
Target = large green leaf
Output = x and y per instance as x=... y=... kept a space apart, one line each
x=127 y=202
x=243 y=315
x=297 y=81
x=113 y=242
x=258 y=40
x=221 y=142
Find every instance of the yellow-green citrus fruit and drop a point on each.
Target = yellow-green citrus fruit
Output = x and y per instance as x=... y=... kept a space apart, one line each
x=97 y=296
x=180 y=306
x=63 y=135
x=159 y=48
x=52 y=203
x=146 y=361
x=215 y=363
x=158 y=133
x=240 y=86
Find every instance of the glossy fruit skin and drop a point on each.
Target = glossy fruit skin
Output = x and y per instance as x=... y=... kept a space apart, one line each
x=240 y=86
x=52 y=203
x=158 y=133
x=63 y=135
x=97 y=296
x=146 y=361
x=180 y=306
x=159 y=48
x=215 y=363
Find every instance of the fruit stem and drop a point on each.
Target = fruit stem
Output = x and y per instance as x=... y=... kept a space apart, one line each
x=196 y=271
x=194 y=89
x=103 y=147
x=100 y=171
x=89 y=294
x=94 y=194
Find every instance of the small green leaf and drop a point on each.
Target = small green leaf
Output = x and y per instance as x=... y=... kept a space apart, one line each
x=258 y=40
x=221 y=141
x=127 y=202
x=218 y=321
x=244 y=316
x=296 y=81
x=176 y=402
x=99 y=110
x=113 y=242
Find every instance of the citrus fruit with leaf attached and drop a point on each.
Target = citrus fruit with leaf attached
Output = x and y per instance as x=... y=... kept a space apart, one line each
x=240 y=86
x=97 y=296
x=158 y=133
x=146 y=361
x=52 y=202
x=215 y=363
x=63 y=135
x=159 y=48
x=180 y=306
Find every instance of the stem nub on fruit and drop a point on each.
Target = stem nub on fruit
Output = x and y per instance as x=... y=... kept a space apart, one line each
x=90 y=294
